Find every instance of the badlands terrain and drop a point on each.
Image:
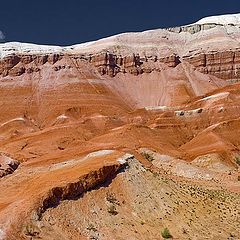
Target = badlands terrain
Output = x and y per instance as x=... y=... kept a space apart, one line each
x=123 y=137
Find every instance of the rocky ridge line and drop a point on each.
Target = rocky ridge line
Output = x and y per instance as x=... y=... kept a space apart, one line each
x=225 y=65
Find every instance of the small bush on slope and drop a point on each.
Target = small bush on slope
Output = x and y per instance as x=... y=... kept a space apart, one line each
x=166 y=234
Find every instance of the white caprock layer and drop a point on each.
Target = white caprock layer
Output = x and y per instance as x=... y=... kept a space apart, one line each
x=10 y=48
x=158 y=41
x=221 y=19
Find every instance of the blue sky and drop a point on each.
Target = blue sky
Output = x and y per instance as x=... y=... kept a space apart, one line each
x=75 y=21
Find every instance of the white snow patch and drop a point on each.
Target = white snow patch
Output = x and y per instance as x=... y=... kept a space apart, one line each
x=218 y=95
x=20 y=119
x=221 y=19
x=123 y=159
x=117 y=128
x=26 y=48
x=161 y=108
x=78 y=160
x=63 y=116
x=99 y=153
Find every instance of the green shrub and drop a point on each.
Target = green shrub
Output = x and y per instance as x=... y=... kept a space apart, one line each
x=166 y=234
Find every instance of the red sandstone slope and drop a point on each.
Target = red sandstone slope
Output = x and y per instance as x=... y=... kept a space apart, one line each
x=166 y=97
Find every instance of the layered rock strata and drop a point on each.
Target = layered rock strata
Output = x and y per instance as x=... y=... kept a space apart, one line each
x=224 y=65
x=106 y=63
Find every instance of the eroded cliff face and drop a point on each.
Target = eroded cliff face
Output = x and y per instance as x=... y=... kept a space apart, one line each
x=106 y=63
x=73 y=118
x=17 y=64
x=224 y=65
